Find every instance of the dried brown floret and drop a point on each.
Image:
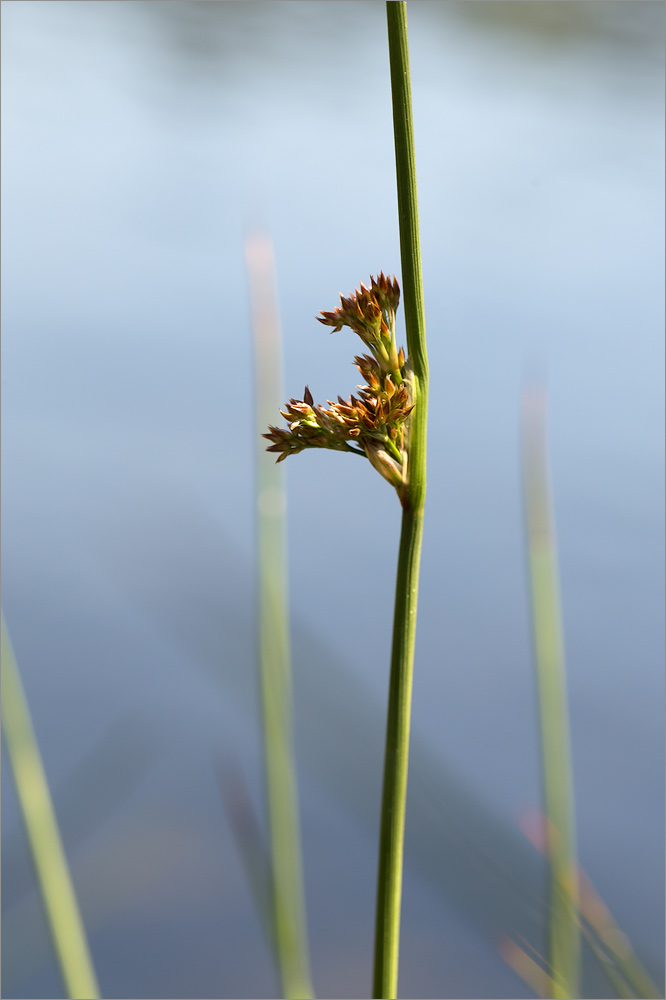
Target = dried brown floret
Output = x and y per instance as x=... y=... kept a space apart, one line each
x=372 y=423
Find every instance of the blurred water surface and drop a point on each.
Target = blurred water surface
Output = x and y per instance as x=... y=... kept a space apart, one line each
x=140 y=140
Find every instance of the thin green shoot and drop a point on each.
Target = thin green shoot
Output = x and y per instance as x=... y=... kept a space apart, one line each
x=564 y=944
x=290 y=931
x=53 y=875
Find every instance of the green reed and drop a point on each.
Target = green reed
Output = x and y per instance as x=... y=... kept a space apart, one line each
x=386 y=423
x=564 y=946
x=51 y=869
x=288 y=896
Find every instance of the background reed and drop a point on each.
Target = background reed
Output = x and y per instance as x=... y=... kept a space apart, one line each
x=288 y=895
x=563 y=928
x=51 y=869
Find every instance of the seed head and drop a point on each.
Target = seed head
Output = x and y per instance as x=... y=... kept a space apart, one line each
x=370 y=313
x=372 y=423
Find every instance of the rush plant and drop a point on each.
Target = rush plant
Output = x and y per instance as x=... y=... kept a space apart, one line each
x=385 y=423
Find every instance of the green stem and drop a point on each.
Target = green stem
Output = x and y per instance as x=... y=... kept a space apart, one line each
x=288 y=893
x=392 y=827
x=403 y=128
x=389 y=879
x=53 y=876
x=564 y=950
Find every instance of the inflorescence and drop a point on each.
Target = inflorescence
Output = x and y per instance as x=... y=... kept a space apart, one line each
x=374 y=422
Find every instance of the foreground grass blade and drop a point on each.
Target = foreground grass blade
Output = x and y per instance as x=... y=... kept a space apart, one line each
x=530 y=969
x=564 y=948
x=392 y=825
x=610 y=946
x=53 y=877
x=290 y=932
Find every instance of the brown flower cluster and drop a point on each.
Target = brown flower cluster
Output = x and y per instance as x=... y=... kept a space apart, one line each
x=370 y=313
x=372 y=423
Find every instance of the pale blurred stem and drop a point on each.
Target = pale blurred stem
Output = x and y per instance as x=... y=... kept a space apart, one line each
x=288 y=894
x=53 y=876
x=564 y=950
x=392 y=826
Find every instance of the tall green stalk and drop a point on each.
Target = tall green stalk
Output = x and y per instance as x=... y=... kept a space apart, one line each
x=53 y=877
x=564 y=947
x=392 y=828
x=288 y=896
x=385 y=422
